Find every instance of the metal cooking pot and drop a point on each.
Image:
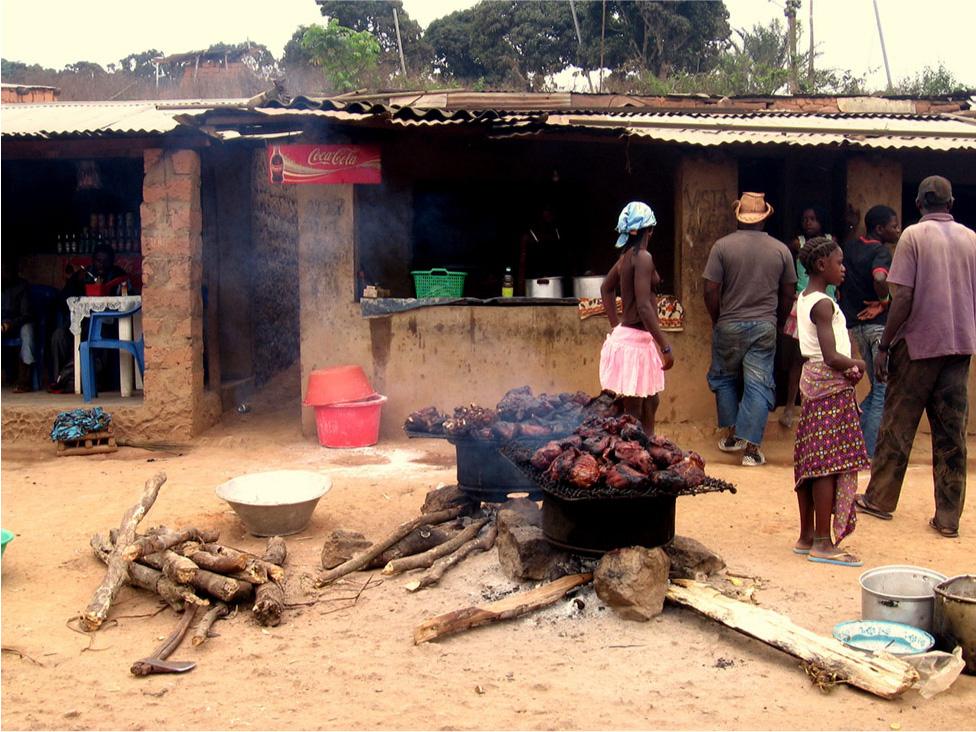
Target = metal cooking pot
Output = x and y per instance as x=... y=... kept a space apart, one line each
x=544 y=287
x=900 y=593
x=594 y=526
x=588 y=286
x=955 y=616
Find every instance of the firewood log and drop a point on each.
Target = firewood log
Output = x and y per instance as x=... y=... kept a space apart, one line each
x=150 y=579
x=273 y=571
x=417 y=541
x=179 y=569
x=512 y=606
x=254 y=571
x=117 y=573
x=441 y=566
x=213 y=562
x=269 y=598
x=361 y=560
x=422 y=561
x=162 y=538
x=201 y=630
x=223 y=588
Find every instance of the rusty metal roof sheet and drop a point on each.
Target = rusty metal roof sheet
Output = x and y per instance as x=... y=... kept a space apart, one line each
x=99 y=119
x=881 y=131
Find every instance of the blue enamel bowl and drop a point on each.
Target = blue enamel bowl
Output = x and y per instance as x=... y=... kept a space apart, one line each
x=897 y=639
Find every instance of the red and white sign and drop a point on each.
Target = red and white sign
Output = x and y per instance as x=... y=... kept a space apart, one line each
x=324 y=164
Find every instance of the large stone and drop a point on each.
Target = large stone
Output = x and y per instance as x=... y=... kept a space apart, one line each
x=525 y=554
x=633 y=581
x=449 y=496
x=341 y=546
x=690 y=559
x=519 y=512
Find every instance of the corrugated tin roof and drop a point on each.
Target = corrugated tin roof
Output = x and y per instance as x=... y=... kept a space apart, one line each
x=99 y=119
x=933 y=132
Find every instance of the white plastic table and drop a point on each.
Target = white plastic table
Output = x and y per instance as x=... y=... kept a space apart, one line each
x=129 y=328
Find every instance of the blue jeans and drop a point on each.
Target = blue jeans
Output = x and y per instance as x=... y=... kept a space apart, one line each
x=867 y=338
x=743 y=350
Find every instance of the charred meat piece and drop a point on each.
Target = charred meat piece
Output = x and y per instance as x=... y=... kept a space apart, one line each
x=596 y=445
x=535 y=430
x=506 y=430
x=635 y=433
x=689 y=471
x=560 y=468
x=667 y=480
x=543 y=457
x=696 y=458
x=585 y=471
x=623 y=476
x=663 y=457
x=664 y=442
x=482 y=433
x=572 y=441
x=634 y=455
x=427 y=420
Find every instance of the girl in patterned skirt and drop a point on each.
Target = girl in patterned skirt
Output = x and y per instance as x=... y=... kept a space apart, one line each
x=829 y=444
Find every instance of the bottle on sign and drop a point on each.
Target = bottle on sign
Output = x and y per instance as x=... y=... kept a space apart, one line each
x=508 y=283
x=277 y=166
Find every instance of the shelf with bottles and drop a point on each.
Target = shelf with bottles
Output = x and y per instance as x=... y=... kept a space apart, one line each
x=120 y=231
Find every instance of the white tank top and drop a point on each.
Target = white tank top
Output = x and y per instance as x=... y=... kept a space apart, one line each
x=806 y=329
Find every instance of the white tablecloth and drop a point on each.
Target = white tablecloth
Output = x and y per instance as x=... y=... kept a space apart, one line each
x=81 y=307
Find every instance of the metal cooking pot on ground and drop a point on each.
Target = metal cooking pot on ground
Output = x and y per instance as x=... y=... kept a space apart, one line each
x=955 y=616
x=900 y=593
x=587 y=286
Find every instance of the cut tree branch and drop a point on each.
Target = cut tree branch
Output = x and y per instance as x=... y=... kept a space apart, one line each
x=439 y=568
x=422 y=561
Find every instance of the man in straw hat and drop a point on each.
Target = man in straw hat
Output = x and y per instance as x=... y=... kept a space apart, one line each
x=924 y=355
x=749 y=283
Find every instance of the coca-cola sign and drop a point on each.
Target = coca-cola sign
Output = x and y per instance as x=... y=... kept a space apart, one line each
x=323 y=164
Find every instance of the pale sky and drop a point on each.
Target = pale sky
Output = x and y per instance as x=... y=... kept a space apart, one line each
x=54 y=33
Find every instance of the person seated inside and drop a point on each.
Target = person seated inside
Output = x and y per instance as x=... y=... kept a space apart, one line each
x=18 y=322
x=102 y=271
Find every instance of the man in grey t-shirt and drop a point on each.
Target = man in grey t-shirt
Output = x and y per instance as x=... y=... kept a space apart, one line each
x=749 y=283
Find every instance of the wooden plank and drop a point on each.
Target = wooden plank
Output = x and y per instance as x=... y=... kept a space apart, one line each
x=882 y=675
x=512 y=606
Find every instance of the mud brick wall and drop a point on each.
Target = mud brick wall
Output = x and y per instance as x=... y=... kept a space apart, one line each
x=274 y=230
x=172 y=302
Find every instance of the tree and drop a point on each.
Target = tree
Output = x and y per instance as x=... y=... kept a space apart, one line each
x=140 y=64
x=295 y=54
x=505 y=42
x=345 y=55
x=376 y=17
x=930 y=82
x=88 y=69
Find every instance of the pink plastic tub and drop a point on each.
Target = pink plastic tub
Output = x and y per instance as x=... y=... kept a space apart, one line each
x=352 y=424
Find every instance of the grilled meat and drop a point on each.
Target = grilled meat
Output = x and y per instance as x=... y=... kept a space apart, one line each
x=585 y=471
x=543 y=457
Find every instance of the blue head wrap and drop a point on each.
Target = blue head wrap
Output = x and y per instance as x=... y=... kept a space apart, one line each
x=635 y=216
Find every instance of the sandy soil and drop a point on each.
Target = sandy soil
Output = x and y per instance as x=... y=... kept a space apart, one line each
x=336 y=666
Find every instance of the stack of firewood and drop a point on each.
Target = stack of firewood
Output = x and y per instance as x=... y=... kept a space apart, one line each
x=451 y=527
x=189 y=570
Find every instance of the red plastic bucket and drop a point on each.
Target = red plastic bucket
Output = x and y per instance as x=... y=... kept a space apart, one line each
x=353 y=424
x=337 y=384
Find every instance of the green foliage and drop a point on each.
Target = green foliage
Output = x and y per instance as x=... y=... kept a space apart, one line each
x=294 y=53
x=346 y=56
x=140 y=65
x=930 y=82
x=376 y=18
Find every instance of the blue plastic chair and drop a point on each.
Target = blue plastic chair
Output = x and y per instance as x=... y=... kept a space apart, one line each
x=95 y=340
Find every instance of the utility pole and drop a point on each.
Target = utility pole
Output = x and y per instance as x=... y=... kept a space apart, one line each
x=884 y=53
x=790 y=11
x=396 y=24
x=810 y=59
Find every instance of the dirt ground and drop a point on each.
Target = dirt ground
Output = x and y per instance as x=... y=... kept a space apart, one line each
x=335 y=665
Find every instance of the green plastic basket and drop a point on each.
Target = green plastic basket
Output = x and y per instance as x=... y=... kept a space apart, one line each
x=8 y=536
x=438 y=283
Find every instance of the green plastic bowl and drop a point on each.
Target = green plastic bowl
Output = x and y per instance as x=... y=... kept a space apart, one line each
x=8 y=536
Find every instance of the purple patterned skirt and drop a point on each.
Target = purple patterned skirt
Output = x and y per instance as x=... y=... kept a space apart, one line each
x=829 y=439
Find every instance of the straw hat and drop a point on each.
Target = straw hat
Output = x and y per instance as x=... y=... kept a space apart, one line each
x=752 y=208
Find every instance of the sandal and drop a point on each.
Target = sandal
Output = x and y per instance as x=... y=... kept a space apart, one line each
x=864 y=507
x=803 y=552
x=945 y=531
x=842 y=559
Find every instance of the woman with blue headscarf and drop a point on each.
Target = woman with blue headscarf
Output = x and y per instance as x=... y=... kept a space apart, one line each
x=636 y=353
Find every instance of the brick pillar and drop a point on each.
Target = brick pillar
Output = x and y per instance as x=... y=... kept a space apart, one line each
x=172 y=304
x=873 y=180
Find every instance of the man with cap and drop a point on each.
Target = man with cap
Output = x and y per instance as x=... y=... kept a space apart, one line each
x=749 y=283
x=924 y=356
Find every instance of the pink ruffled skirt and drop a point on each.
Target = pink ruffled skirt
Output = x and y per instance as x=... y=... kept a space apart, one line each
x=630 y=363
